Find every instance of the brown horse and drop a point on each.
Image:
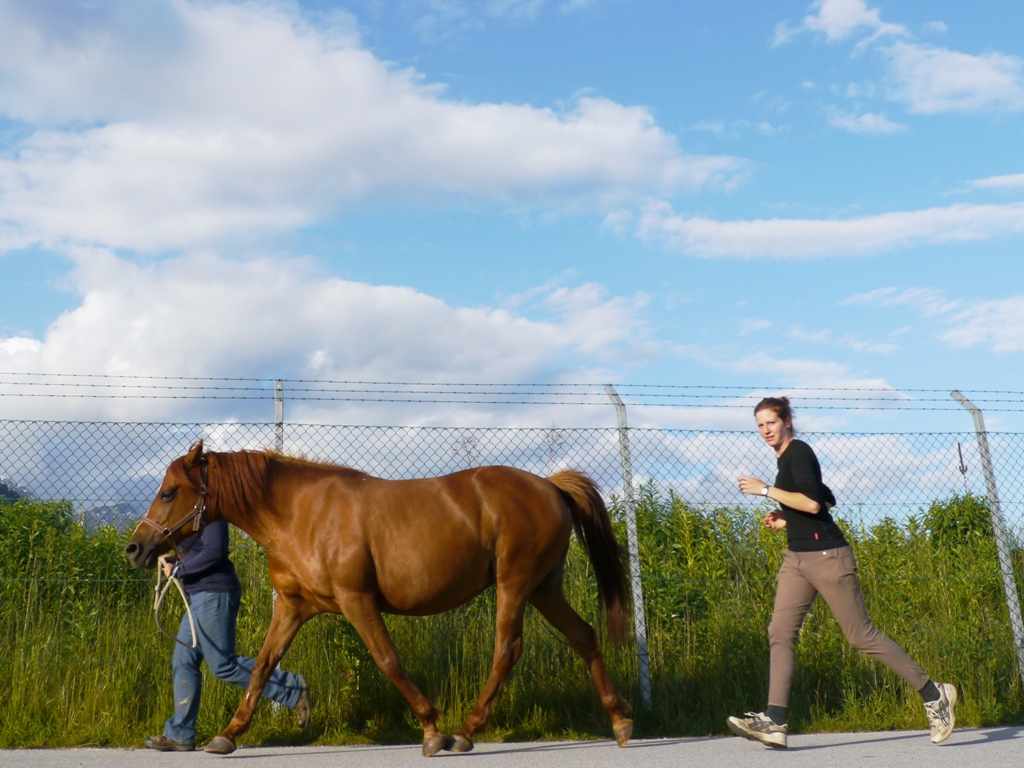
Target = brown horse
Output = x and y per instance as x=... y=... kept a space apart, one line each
x=341 y=541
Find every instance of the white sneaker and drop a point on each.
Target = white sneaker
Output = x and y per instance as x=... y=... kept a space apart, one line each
x=757 y=726
x=942 y=712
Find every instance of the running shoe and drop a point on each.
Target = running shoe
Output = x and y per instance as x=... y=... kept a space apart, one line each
x=942 y=712
x=757 y=726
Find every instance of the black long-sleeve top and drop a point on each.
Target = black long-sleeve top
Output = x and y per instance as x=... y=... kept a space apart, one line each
x=205 y=566
x=800 y=472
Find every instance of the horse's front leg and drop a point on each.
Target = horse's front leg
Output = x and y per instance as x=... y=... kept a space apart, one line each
x=289 y=616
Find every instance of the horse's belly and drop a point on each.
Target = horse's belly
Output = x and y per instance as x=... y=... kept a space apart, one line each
x=427 y=594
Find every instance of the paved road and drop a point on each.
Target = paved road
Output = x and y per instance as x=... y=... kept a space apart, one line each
x=984 y=747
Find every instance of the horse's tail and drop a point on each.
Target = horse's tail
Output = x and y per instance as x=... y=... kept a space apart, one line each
x=594 y=529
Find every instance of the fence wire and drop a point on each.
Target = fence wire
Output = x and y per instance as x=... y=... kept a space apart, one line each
x=110 y=471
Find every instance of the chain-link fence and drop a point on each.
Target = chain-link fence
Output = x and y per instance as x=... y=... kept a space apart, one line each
x=110 y=471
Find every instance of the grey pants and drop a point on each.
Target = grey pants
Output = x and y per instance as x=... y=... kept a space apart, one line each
x=833 y=573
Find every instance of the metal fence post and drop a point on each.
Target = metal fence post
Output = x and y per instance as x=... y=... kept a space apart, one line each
x=633 y=546
x=998 y=529
x=279 y=416
x=279 y=447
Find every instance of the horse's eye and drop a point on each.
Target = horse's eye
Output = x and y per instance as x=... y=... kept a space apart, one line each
x=167 y=495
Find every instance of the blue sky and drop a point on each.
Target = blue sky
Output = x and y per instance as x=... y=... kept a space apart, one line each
x=720 y=193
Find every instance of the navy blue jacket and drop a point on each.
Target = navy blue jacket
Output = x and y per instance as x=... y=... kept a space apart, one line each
x=205 y=566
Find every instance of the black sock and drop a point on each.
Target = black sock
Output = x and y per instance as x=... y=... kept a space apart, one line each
x=778 y=715
x=930 y=692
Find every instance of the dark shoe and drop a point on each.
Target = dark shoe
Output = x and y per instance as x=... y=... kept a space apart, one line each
x=302 y=706
x=164 y=744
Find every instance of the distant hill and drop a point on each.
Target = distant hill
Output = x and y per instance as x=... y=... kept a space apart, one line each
x=10 y=492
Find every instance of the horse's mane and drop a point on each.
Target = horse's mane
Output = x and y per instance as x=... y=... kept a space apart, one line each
x=240 y=482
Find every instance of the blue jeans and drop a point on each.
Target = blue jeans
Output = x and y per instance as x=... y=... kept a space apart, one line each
x=215 y=614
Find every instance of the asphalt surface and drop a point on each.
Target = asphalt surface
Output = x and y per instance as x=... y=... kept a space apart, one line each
x=982 y=747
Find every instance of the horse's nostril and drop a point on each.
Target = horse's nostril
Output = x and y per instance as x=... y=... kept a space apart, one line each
x=131 y=550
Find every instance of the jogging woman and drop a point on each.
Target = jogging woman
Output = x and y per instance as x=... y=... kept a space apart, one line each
x=214 y=592
x=818 y=560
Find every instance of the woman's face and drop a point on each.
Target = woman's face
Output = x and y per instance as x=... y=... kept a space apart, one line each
x=773 y=429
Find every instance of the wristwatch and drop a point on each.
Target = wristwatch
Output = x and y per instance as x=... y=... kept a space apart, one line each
x=764 y=491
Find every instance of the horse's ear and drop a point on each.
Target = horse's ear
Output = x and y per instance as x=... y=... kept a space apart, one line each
x=194 y=454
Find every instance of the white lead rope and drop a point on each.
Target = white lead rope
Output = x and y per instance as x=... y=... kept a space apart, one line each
x=158 y=601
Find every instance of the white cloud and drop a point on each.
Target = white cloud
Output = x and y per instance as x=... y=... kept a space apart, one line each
x=838 y=20
x=817 y=337
x=496 y=9
x=576 y=5
x=203 y=315
x=751 y=324
x=246 y=119
x=851 y=341
x=794 y=238
x=827 y=376
x=802 y=379
x=814 y=380
x=869 y=122
x=846 y=341
x=1006 y=182
x=436 y=21
x=861 y=90
x=767 y=129
x=715 y=126
x=996 y=322
x=516 y=8
x=928 y=301
x=931 y=79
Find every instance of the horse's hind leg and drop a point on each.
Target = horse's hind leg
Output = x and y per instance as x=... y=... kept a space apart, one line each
x=551 y=602
x=508 y=647
x=361 y=611
x=288 y=619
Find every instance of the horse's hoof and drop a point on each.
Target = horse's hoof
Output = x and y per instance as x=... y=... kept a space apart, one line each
x=460 y=744
x=623 y=732
x=435 y=744
x=220 y=745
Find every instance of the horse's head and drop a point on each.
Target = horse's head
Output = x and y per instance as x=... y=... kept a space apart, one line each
x=175 y=514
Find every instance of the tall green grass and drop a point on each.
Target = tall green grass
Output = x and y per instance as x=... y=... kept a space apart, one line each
x=81 y=661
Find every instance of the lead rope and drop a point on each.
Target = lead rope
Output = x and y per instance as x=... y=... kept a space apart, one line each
x=158 y=600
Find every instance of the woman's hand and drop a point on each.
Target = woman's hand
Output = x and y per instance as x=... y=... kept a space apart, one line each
x=774 y=520
x=166 y=563
x=752 y=486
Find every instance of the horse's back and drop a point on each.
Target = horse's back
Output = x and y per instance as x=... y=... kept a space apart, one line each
x=438 y=542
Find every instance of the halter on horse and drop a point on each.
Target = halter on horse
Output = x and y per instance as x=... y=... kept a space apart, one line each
x=167 y=534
